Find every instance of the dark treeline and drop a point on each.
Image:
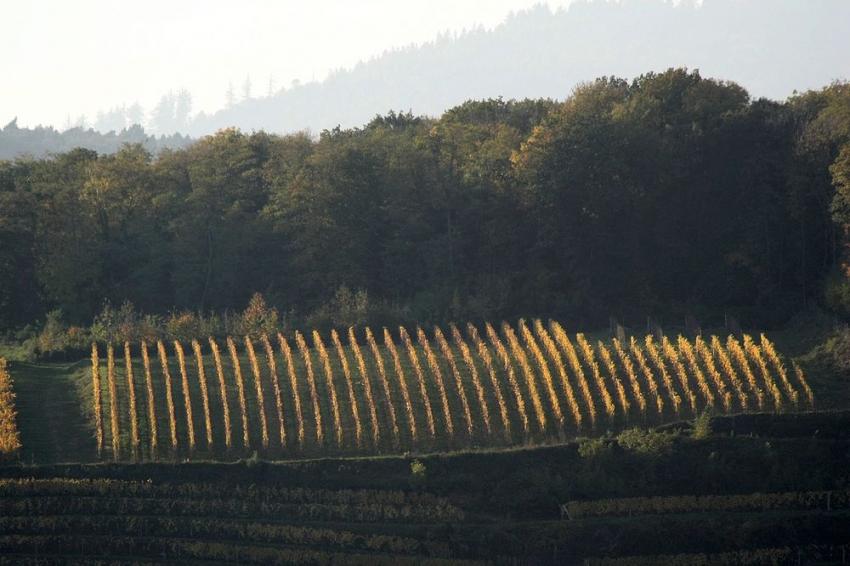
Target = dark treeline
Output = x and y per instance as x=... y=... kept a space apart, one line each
x=667 y=195
x=16 y=142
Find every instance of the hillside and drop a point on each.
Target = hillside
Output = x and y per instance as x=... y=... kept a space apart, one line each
x=747 y=498
x=771 y=47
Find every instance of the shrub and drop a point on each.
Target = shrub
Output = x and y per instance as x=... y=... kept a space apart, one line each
x=702 y=426
x=258 y=317
x=594 y=448
x=418 y=472
x=52 y=338
x=646 y=442
x=116 y=325
x=837 y=293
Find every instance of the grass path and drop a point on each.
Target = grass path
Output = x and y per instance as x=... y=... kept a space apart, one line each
x=52 y=427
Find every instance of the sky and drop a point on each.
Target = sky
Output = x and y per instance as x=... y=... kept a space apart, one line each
x=62 y=59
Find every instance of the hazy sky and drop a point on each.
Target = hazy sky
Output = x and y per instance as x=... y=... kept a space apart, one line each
x=64 y=58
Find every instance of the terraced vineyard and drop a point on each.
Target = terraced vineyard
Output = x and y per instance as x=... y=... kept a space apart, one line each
x=792 y=508
x=65 y=518
x=415 y=391
x=718 y=500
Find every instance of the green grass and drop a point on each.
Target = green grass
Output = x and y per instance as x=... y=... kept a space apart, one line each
x=52 y=426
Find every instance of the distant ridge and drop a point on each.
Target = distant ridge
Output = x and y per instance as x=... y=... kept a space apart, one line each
x=39 y=142
x=770 y=47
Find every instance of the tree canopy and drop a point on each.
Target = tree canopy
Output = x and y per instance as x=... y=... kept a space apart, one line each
x=668 y=194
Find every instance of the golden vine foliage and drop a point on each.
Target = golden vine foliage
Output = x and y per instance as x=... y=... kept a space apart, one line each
x=225 y=405
x=278 y=396
x=563 y=342
x=590 y=360
x=113 y=401
x=240 y=389
x=646 y=365
x=637 y=352
x=672 y=356
x=349 y=384
x=528 y=373
x=205 y=394
x=311 y=381
x=420 y=378
x=385 y=383
x=508 y=366
x=608 y=361
x=726 y=365
x=437 y=373
x=329 y=377
x=187 y=400
x=146 y=362
x=658 y=361
x=626 y=361
x=537 y=353
x=367 y=386
x=466 y=355
x=754 y=353
x=169 y=393
x=10 y=437
x=801 y=377
x=719 y=384
x=734 y=347
x=450 y=359
x=558 y=362
x=402 y=381
x=487 y=359
x=261 y=398
x=688 y=352
x=131 y=393
x=769 y=350
x=293 y=384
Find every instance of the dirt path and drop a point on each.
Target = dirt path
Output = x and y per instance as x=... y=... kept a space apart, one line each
x=53 y=428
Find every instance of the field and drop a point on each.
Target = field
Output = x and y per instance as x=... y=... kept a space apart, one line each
x=721 y=499
x=467 y=445
x=415 y=392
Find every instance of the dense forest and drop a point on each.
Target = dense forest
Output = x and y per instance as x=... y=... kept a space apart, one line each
x=670 y=194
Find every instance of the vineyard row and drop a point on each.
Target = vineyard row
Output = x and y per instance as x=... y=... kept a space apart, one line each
x=10 y=438
x=532 y=383
x=827 y=500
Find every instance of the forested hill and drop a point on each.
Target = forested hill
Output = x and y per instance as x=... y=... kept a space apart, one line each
x=771 y=47
x=41 y=142
x=671 y=193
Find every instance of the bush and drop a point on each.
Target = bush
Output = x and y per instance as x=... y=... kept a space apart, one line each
x=354 y=308
x=594 y=448
x=52 y=338
x=257 y=318
x=839 y=345
x=702 y=426
x=115 y=325
x=418 y=472
x=646 y=442
x=836 y=292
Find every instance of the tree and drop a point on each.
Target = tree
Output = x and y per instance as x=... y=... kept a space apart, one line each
x=182 y=110
x=164 y=115
x=229 y=96
x=246 y=88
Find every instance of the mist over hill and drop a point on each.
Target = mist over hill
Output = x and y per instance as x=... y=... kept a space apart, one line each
x=771 y=47
x=17 y=142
